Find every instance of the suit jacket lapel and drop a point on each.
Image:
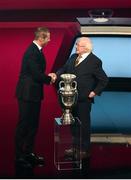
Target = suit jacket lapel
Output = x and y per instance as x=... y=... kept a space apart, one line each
x=84 y=61
x=41 y=55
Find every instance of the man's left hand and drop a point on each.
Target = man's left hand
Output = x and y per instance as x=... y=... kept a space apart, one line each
x=92 y=94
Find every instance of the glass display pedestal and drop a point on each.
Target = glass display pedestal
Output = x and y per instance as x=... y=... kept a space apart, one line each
x=67 y=145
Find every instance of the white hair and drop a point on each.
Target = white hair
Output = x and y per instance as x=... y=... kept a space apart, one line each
x=87 y=43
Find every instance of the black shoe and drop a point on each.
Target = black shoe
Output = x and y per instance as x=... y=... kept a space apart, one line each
x=70 y=151
x=23 y=163
x=35 y=159
x=74 y=153
x=70 y=154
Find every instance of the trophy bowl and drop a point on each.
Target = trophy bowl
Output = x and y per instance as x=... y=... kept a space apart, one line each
x=68 y=97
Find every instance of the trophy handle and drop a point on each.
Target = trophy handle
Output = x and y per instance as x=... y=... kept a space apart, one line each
x=60 y=84
x=74 y=84
x=62 y=101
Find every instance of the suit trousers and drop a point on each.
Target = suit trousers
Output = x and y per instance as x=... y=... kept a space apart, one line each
x=27 y=127
x=82 y=111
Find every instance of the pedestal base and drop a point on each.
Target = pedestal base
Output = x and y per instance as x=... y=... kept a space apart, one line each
x=67 y=145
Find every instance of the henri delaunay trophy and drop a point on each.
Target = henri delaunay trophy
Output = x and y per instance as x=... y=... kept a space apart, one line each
x=68 y=95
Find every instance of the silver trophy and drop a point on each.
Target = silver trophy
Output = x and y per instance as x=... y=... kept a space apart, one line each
x=68 y=97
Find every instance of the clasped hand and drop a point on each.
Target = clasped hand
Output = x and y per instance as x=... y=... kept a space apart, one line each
x=53 y=77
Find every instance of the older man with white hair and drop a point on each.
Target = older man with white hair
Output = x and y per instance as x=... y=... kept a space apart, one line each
x=91 y=80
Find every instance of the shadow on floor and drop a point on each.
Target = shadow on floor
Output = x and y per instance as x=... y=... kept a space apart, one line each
x=23 y=172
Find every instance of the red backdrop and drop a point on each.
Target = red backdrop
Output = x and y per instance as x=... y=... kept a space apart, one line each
x=15 y=37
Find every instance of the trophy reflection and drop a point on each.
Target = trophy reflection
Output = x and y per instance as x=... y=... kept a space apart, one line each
x=68 y=97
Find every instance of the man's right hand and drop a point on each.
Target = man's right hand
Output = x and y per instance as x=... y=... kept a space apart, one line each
x=53 y=77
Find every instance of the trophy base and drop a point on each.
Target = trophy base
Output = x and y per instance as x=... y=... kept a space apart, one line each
x=67 y=119
x=64 y=141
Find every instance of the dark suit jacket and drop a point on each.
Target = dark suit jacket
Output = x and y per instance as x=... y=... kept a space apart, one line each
x=90 y=75
x=32 y=75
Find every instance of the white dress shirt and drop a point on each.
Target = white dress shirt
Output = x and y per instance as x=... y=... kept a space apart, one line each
x=39 y=47
x=83 y=56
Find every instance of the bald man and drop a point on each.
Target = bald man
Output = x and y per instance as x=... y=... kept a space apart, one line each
x=91 y=80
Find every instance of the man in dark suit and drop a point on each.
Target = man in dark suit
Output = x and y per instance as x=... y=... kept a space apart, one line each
x=29 y=92
x=91 y=80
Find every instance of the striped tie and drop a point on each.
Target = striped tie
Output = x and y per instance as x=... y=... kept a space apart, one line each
x=77 y=60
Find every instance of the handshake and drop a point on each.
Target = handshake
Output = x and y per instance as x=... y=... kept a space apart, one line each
x=53 y=77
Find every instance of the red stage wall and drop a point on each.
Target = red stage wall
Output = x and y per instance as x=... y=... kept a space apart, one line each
x=15 y=37
x=64 y=4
